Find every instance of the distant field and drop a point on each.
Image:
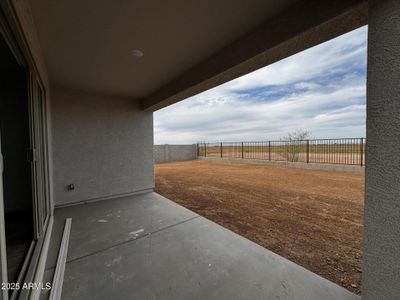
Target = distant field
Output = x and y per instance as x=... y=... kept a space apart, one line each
x=314 y=218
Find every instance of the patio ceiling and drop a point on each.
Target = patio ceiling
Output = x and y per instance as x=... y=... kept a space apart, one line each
x=187 y=46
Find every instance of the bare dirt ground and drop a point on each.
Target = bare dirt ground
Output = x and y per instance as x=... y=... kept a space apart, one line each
x=314 y=218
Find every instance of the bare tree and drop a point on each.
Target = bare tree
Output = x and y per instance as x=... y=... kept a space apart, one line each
x=294 y=144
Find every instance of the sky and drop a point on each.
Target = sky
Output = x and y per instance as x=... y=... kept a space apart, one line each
x=322 y=90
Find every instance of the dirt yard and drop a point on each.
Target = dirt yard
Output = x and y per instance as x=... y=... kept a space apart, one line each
x=314 y=218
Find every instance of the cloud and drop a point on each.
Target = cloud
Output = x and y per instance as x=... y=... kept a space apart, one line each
x=321 y=89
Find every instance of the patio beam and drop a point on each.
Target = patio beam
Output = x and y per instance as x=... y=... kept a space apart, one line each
x=301 y=26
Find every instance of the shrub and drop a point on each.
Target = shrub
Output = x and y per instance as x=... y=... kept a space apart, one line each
x=295 y=143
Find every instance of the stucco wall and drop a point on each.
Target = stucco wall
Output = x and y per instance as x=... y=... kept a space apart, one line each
x=381 y=267
x=103 y=145
x=168 y=153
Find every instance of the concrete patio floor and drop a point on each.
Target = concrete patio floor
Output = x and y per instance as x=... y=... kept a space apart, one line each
x=148 y=247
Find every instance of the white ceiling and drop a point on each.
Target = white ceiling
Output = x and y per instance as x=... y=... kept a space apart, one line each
x=87 y=43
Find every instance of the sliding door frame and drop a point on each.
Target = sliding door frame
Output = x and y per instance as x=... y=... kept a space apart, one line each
x=38 y=153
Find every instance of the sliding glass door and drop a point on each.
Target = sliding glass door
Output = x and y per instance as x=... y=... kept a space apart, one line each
x=39 y=155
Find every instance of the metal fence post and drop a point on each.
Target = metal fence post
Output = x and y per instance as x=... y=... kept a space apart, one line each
x=197 y=149
x=221 y=150
x=361 y=151
x=269 y=150
x=242 y=151
x=205 y=149
x=308 y=151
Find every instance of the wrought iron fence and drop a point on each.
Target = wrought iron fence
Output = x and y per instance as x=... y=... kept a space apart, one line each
x=347 y=151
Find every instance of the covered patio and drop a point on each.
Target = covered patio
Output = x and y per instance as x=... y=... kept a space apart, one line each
x=94 y=73
x=148 y=247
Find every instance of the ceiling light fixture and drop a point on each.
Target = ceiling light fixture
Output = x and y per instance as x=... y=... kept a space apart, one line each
x=136 y=53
